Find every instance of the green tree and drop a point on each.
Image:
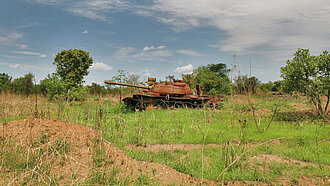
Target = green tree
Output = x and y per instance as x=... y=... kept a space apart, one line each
x=169 y=78
x=23 y=85
x=133 y=79
x=189 y=79
x=72 y=65
x=53 y=86
x=5 y=82
x=121 y=77
x=213 y=80
x=97 y=89
x=277 y=86
x=61 y=90
x=220 y=69
x=266 y=87
x=253 y=84
x=246 y=84
x=309 y=75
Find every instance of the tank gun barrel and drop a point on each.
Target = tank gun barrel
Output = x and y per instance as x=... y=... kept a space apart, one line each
x=127 y=85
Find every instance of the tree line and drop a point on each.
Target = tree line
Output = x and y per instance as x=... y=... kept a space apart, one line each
x=304 y=73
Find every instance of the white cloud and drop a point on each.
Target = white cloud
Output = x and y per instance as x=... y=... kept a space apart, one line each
x=155 y=55
x=189 y=52
x=146 y=48
x=92 y=9
x=145 y=72
x=248 y=25
x=84 y=32
x=150 y=54
x=184 y=68
x=14 y=65
x=29 y=53
x=251 y=25
x=21 y=46
x=125 y=51
x=9 y=37
x=46 y=2
x=27 y=25
x=100 y=66
x=25 y=67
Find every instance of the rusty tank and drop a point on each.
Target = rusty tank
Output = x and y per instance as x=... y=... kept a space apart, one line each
x=166 y=95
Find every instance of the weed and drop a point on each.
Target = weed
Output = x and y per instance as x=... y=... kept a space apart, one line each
x=143 y=180
x=103 y=177
x=236 y=127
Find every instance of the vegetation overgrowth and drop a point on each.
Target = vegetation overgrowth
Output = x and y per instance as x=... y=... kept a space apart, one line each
x=240 y=123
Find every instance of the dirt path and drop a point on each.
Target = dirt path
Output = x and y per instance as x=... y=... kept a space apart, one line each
x=170 y=147
x=271 y=158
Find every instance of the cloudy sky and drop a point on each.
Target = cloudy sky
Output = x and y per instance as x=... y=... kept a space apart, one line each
x=160 y=37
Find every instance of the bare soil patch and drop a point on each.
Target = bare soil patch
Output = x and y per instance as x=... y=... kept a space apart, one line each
x=156 y=148
x=272 y=158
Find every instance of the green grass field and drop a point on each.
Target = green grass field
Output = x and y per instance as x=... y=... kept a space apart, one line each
x=240 y=123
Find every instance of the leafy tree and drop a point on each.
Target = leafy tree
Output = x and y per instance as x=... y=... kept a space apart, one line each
x=241 y=84
x=169 y=78
x=246 y=84
x=53 y=86
x=133 y=79
x=61 y=90
x=220 y=69
x=309 y=75
x=266 y=87
x=277 y=86
x=72 y=65
x=189 y=79
x=97 y=89
x=121 y=77
x=5 y=82
x=253 y=84
x=24 y=85
x=212 y=78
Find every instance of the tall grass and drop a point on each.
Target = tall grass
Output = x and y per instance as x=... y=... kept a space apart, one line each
x=240 y=124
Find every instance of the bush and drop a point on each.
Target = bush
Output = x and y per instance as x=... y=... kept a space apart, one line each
x=213 y=79
x=266 y=87
x=5 y=82
x=24 y=85
x=61 y=90
x=79 y=93
x=309 y=75
x=246 y=84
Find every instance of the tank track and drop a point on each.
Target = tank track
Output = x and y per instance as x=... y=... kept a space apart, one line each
x=140 y=102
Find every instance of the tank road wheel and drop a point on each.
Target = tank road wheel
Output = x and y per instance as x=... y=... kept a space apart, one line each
x=130 y=103
x=140 y=106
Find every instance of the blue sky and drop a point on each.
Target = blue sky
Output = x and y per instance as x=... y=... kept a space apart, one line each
x=158 y=38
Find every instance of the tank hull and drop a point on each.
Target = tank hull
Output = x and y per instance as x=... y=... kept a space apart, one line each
x=141 y=101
